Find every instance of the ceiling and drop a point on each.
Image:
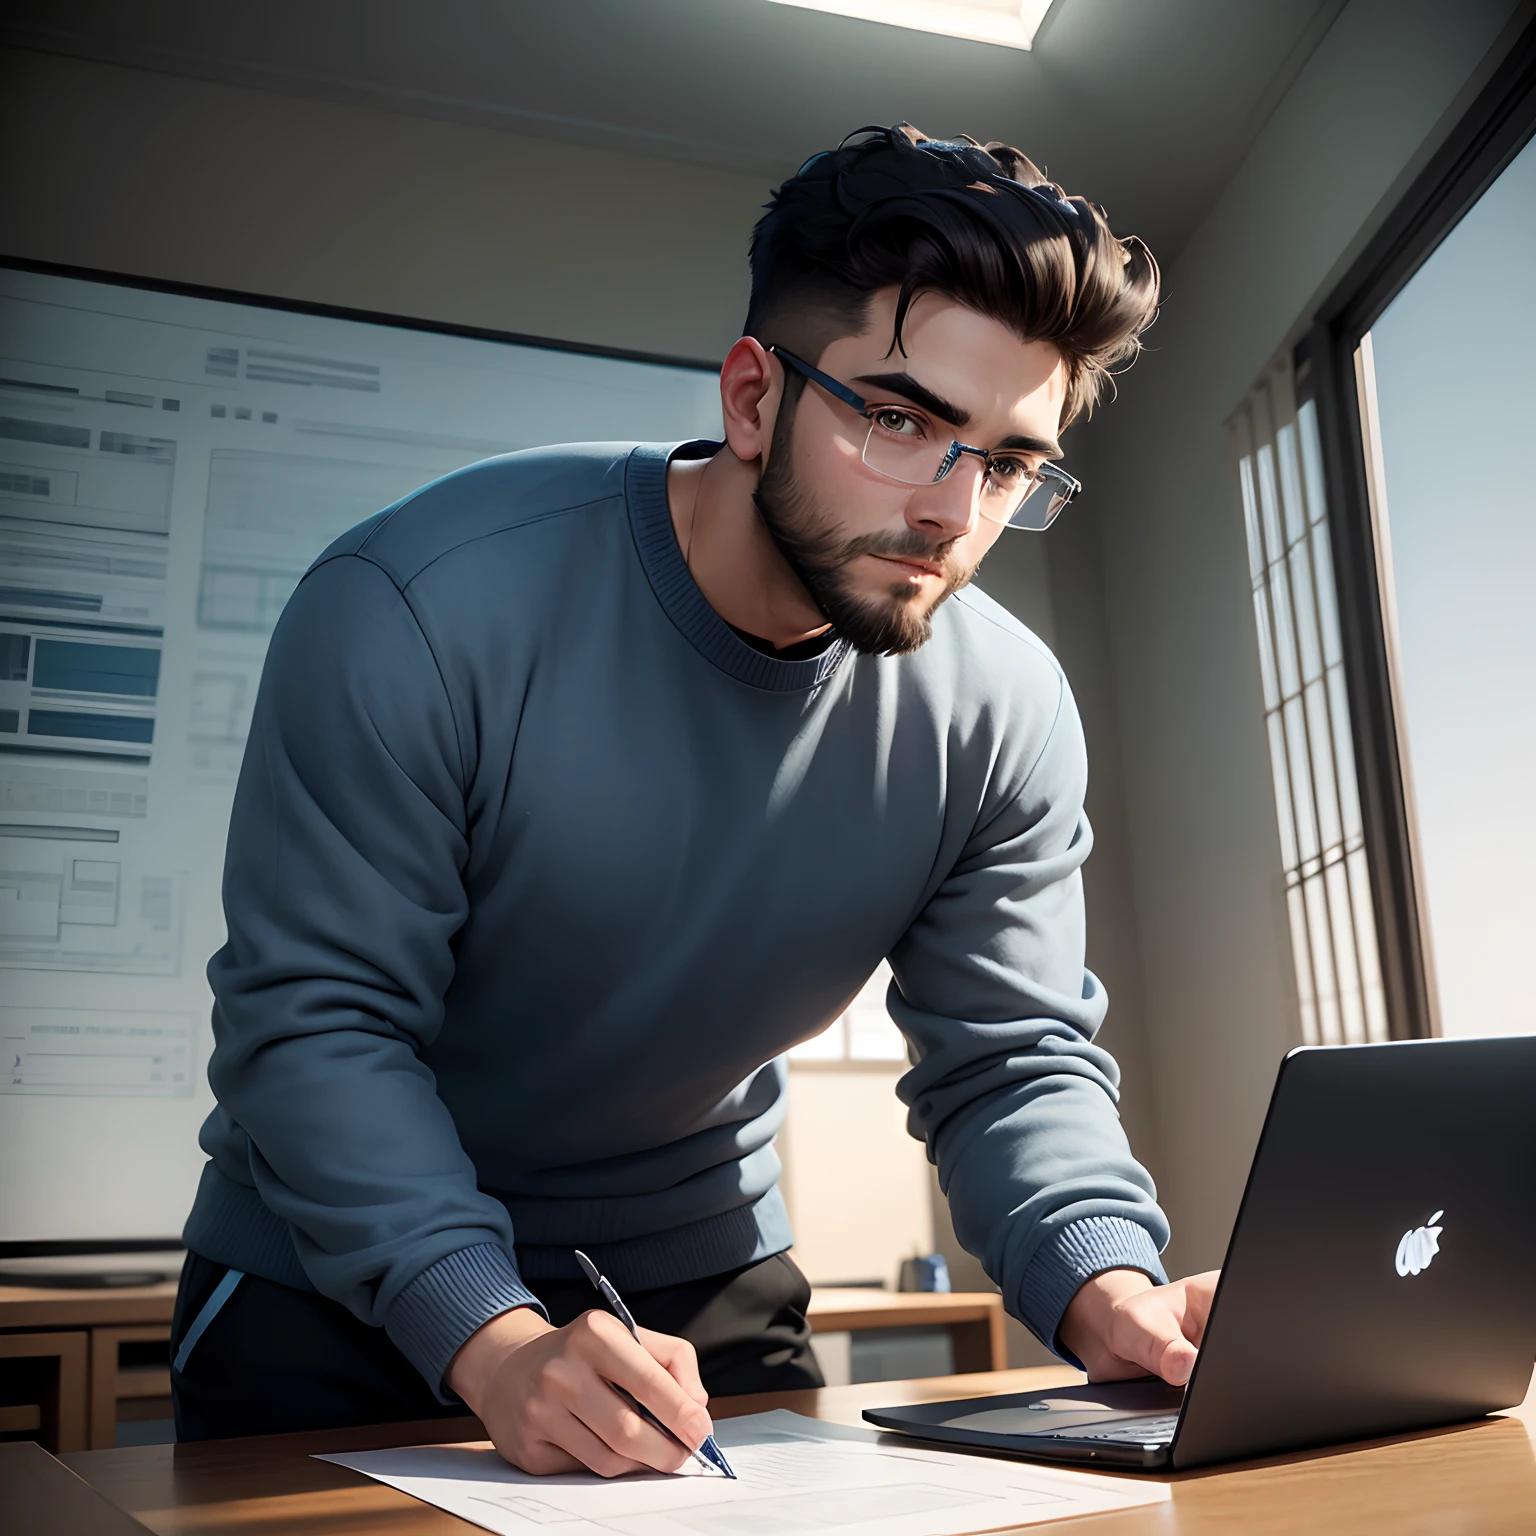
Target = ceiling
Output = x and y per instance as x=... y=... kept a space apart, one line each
x=1145 y=106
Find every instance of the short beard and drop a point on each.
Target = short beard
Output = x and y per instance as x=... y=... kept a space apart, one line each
x=808 y=537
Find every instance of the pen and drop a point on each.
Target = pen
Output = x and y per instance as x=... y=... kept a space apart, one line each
x=709 y=1455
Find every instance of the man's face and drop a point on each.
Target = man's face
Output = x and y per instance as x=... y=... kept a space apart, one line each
x=879 y=556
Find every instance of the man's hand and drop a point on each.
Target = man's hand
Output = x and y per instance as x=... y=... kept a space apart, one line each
x=1120 y=1325
x=546 y=1398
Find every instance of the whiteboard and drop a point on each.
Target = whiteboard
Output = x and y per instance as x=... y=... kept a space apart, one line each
x=169 y=466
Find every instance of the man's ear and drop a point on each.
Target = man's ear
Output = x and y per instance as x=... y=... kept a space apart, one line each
x=751 y=389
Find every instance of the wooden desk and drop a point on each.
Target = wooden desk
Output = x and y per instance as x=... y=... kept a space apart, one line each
x=1476 y=1480
x=42 y=1497
x=90 y=1357
x=974 y=1319
x=93 y=1381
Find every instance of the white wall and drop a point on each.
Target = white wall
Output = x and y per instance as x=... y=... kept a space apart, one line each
x=1054 y=583
x=857 y=1185
x=1209 y=911
x=158 y=176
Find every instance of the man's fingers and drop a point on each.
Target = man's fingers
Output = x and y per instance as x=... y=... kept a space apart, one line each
x=1178 y=1362
x=1199 y=1292
x=680 y=1360
x=594 y=1451
x=615 y=1420
x=591 y=1395
x=1120 y=1325
x=618 y=1358
x=540 y=1457
x=1150 y=1336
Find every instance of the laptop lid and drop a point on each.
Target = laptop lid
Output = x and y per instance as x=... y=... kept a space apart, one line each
x=1378 y=1278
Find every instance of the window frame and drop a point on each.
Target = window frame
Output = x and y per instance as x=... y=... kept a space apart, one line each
x=1331 y=372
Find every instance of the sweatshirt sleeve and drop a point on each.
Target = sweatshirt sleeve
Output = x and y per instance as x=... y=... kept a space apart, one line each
x=343 y=892
x=1015 y=1101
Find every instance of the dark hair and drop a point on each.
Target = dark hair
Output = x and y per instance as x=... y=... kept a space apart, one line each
x=979 y=224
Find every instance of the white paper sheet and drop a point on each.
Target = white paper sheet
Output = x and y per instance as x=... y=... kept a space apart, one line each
x=794 y=1475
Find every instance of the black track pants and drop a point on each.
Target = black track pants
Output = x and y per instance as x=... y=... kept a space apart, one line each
x=275 y=1359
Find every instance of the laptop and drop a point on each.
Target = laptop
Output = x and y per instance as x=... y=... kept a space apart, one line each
x=1378 y=1278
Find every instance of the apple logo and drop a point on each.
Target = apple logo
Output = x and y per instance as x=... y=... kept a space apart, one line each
x=1418 y=1247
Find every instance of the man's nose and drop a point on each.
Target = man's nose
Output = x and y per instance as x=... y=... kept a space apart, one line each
x=948 y=508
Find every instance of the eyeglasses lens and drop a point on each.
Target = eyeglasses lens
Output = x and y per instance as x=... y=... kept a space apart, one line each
x=918 y=460
x=914 y=460
x=1039 y=510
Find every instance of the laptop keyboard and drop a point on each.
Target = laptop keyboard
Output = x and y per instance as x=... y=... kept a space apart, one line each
x=1153 y=1430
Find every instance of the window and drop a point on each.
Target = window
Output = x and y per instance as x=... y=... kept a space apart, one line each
x=862 y=1035
x=1447 y=399
x=1306 y=709
x=1422 y=401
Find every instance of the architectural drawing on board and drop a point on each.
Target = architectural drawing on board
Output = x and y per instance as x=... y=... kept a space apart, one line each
x=85 y=692
x=84 y=517
x=269 y=515
x=91 y=1051
x=84 y=537
x=169 y=468
x=223 y=695
x=265 y=366
x=67 y=903
x=59 y=787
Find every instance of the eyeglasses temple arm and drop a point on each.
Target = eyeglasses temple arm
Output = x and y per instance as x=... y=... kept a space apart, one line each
x=827 y=382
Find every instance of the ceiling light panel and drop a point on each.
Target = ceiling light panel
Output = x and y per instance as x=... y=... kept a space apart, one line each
x=1009 y=23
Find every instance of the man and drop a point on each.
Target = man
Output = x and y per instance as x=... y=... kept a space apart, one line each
x=586 y=781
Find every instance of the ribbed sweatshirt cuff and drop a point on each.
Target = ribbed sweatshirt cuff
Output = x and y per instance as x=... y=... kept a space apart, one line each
x=1074 y=1254
x=447 y=1302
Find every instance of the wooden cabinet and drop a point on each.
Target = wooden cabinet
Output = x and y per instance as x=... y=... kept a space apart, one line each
x=130 y=1378
x=74 y=1364
x=43 y=1389
x=974 y=1320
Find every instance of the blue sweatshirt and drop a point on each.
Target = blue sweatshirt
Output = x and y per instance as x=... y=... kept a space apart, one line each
x=536 y=869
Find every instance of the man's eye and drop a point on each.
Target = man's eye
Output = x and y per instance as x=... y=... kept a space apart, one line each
x=898 y=423
x=1010 y=472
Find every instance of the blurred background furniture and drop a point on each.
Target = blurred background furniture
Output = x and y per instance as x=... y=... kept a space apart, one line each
x=85 y=1369
x=862 y=1334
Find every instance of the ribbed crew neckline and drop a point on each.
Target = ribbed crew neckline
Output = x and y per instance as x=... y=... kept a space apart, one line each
x=650 y=520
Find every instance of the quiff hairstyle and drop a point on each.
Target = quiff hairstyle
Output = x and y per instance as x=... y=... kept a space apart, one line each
x=979 y=224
